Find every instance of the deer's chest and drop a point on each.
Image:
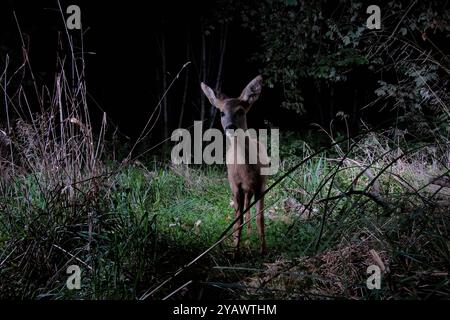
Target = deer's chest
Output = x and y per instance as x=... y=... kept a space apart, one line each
x=244 y=165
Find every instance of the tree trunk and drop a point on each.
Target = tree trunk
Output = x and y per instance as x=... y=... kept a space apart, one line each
x=186 y=84
x=222 y=48
x=318 y=103
x=164 y=84
x=355 y=120
x=203 y=73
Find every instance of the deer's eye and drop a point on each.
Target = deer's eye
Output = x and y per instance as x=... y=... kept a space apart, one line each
x=240 y=112
x=222 y=113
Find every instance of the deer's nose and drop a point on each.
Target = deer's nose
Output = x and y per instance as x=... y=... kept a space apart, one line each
x=231 y=127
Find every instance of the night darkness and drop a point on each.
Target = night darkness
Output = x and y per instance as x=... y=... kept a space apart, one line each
x=124 y=61
x=87 y=178
x=124 y=40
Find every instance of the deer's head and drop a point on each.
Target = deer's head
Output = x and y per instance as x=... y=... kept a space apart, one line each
x=233 y=111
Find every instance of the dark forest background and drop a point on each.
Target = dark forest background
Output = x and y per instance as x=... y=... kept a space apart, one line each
x=320 y=63
x=85 y=175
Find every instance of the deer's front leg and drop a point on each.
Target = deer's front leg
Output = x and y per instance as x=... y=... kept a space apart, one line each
x=238 y=200
x=248 y=197
x=260 y=221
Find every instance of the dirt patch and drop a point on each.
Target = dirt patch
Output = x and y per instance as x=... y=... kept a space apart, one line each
x=338 y=272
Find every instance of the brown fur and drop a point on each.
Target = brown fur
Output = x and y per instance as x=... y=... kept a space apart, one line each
x=245 y=180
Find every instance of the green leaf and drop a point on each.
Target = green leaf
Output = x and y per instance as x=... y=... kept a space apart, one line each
x=291 y=2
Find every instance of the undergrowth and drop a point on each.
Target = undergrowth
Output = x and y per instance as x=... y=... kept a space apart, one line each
x=381 y=198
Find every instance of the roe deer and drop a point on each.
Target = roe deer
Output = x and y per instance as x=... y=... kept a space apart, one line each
x=245 y=179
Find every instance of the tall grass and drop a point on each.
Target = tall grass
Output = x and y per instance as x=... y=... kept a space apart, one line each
x=380 y=198
x=376 y=204
x=52 y=176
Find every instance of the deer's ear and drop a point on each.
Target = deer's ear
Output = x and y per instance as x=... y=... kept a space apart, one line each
x=211 y=95
x=252 y=91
